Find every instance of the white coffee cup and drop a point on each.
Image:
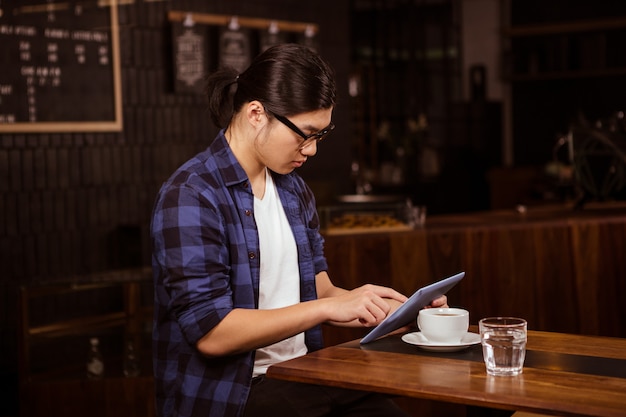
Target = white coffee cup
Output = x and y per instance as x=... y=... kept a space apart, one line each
x=443 y=325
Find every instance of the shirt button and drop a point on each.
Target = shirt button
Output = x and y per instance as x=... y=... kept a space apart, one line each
x=251 y=255
x=248 y=212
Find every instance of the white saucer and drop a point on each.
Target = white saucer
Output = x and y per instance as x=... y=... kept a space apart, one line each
x=417 y=338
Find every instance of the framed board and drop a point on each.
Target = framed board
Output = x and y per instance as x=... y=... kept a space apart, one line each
x=61 y=66
x=190 y=57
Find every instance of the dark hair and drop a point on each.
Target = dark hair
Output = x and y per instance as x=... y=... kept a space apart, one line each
x=288 y=79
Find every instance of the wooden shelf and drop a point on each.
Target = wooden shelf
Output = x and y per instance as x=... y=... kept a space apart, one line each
x=581 y=49
x=249 y=22
x=565 y=27
x=573 y=74
x=79 y=325
x=56 y=319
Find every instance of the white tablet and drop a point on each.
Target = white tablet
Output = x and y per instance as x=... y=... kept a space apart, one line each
x=408 y=311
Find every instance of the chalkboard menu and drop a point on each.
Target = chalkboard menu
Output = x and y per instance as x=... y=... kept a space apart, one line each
x=60 y=66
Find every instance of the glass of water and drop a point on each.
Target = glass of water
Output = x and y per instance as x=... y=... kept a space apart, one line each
x=504 y=344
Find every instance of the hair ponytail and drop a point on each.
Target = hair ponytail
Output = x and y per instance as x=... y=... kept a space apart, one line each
x=221 y=86
x=287 y=78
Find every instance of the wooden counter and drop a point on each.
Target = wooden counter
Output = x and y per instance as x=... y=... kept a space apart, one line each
x=562 y=270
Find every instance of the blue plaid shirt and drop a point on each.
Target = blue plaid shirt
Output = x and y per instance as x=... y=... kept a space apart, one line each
x=206 y=263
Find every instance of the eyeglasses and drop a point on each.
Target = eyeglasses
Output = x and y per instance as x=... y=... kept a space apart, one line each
x=308 y=139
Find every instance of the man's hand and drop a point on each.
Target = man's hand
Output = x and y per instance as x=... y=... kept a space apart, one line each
x=441 y=302
x=367 y=305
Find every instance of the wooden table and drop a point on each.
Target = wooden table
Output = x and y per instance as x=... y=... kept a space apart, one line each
x=564 y=374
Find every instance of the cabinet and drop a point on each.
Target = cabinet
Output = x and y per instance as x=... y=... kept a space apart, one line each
x=56 y=322
x=576 y=49
x=566 y=66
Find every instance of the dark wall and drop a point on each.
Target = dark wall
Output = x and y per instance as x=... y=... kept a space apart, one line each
x=72 y=204
x=69 y=198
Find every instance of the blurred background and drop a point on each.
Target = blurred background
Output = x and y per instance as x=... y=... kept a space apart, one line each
x=459 y=105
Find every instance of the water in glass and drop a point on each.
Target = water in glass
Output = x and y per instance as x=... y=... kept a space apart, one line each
x=504 y=347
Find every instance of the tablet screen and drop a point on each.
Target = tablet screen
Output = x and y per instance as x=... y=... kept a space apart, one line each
x=408 y=311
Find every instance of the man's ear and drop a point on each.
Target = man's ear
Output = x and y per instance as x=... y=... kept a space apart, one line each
x=256 y=114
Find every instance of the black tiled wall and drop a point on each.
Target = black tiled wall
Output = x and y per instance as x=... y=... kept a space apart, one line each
x=72 y=204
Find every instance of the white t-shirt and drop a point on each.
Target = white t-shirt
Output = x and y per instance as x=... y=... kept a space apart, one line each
x=279 y=284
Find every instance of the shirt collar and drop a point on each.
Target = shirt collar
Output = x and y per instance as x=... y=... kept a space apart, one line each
x=230 y=169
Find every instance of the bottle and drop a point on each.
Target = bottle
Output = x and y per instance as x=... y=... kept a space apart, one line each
x=131 y=364
x=95 y=364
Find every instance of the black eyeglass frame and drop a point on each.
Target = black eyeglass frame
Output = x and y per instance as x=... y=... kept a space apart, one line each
x=308 y=139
